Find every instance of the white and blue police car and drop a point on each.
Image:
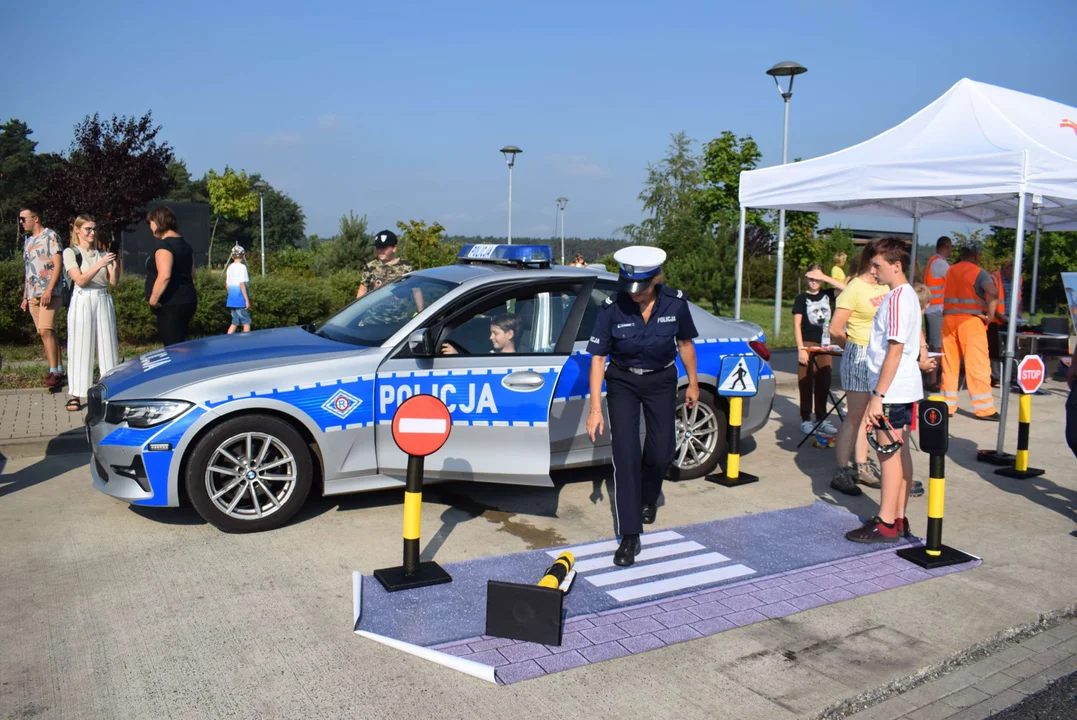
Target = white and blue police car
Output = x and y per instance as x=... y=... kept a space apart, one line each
x=246 y=426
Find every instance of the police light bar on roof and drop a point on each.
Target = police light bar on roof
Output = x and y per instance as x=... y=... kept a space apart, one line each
x=539 y=256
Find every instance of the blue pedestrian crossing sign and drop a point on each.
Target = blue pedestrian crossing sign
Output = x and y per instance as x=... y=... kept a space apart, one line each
x=739 y=376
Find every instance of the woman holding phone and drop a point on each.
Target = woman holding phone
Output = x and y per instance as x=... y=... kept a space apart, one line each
x=91 y=318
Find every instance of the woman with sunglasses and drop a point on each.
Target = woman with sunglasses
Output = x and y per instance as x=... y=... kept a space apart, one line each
x=91 y=318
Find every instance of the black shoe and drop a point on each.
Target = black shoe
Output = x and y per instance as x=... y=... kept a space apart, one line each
x=995 y=383
x=845 y=481
x=993 y=417
x=626 y=554
x=873 y=532
x=650 y=512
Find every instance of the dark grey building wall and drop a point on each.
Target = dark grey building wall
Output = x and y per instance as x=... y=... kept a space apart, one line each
x=194 y=226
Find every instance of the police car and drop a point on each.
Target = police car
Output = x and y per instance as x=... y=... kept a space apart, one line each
x=246 y=426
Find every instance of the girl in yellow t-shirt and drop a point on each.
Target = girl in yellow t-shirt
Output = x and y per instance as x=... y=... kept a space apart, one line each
x=850 y=327
x=838 y=272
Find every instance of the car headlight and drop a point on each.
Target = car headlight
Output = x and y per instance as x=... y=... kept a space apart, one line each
x=145 y=413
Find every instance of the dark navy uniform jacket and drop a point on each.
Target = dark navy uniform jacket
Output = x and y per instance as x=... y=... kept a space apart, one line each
x=619 y=331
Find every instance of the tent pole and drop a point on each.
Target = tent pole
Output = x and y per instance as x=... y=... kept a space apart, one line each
x=740 y=262
x=1011 y=325
x=1035 y=267
x=915 y=240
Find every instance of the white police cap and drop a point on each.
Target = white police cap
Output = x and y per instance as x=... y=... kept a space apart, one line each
x=638 y=265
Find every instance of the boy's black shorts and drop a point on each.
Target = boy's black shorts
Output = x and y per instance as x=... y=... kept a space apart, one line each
x=898 y=414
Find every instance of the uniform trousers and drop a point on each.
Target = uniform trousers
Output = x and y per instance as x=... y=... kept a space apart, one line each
x=965 y=337
x=91 y=327
x=637 y=477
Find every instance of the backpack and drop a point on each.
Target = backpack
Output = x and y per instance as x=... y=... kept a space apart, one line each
x=69 y=285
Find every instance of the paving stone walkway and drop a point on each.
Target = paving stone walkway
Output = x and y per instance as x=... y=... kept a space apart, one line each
x=986 y=687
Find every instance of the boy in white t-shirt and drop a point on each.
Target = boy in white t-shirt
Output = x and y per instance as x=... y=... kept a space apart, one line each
x=239 y=302
x=893 y=357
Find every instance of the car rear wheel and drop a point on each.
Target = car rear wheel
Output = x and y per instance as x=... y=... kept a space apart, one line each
x=701 y=436
x=249 y=474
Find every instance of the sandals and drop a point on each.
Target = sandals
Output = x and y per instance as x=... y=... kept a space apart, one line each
x=73 y=405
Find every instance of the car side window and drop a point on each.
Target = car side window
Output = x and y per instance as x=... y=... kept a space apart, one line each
x=602 y=290
x=528 y=322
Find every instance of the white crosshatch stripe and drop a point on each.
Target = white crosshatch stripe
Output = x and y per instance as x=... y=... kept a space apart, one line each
x=423 y=426
x=609 y=545
x=663 y=568
x=682 y=582
x=661 y=551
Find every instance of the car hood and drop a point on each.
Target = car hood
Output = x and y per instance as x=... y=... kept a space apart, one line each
x=210 y=357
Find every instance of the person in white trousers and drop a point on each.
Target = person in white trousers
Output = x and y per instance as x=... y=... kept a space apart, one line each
x=91 y=318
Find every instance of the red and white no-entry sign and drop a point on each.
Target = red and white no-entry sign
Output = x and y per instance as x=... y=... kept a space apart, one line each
x=1031 y=373
x=421 y=425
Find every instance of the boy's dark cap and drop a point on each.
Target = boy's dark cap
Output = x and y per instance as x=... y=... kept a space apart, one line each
x=384 y=239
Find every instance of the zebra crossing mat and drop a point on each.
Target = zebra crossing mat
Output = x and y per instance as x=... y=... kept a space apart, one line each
x=689 y=582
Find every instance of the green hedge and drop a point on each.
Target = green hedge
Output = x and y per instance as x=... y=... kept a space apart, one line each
x=277 y=301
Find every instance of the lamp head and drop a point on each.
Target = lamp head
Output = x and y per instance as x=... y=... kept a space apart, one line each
x=510 y=152
x=788 y=69
x=561 y=202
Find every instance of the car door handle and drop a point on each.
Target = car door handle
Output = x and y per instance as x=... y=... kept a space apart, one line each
x=523 y=381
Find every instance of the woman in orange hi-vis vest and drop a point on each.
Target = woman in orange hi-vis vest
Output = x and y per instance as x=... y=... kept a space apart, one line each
x=969 y=303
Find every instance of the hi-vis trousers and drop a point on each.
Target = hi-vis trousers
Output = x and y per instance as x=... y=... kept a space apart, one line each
x=91 y=325
x=965 y=336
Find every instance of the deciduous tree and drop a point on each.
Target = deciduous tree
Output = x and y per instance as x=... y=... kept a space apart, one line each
x=113 y=170
x=231 y=196
x=422 y=245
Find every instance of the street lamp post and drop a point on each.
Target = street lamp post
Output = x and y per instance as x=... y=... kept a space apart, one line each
x=561 y=202
x=261 y=186
x=510 y=152
x=790 y=70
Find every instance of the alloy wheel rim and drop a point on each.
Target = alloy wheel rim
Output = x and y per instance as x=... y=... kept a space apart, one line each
x=697 y=435
x=251 y=475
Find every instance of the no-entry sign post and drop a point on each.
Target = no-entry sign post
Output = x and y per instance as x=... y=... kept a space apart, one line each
x=421 y=425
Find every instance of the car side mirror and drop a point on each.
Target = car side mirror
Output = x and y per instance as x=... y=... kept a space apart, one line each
x=420 y=343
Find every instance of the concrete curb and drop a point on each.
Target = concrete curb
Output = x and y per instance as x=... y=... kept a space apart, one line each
x=995 y=644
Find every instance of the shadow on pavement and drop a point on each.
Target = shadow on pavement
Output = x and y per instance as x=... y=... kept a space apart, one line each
x=1041 y=490
x=817 y=464
x=58 y=460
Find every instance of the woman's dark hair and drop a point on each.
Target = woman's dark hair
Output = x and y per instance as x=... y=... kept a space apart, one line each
x=163 y=218
x=895 y=250
x=862 y=262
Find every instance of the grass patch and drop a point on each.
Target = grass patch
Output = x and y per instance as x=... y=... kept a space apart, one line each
x=20 y=378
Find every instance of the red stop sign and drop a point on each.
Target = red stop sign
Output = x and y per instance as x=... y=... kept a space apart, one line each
x=1031 y=373
x=421 y=425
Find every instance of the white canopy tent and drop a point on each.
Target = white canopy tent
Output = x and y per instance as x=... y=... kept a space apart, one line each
x=974 y=155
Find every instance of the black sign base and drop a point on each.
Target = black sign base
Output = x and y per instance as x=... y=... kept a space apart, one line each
x=1020 y=474
x=726 y=481
x=429 y=573
x=994 y=457
x=947 y=556
x=524 y=612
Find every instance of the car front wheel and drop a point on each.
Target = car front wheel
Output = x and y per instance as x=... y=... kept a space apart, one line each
x=249 y=474
x=701 y=436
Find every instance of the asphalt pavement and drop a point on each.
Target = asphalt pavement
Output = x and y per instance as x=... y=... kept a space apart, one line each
x=111 y=611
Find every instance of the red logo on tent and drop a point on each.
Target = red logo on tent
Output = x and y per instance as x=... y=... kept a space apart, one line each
x=1068 y=123
x=421 y=425
x=1031 y=373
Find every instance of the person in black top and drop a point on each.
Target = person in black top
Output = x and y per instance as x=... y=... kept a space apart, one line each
x=641 y=329
x=811 y=311
x=170 y=278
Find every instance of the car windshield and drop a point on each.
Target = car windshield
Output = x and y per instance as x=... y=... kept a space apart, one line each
x=375 y=317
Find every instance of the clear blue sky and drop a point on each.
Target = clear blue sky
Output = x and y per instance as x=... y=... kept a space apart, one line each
x=397 y=110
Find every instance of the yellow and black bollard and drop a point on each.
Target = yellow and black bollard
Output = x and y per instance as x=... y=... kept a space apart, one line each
x=733 y=477
x=1020 y=469
x=530 y=612
x=934 y=440
x=553 y=577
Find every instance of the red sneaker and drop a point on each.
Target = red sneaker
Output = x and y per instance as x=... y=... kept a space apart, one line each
x=52 y=380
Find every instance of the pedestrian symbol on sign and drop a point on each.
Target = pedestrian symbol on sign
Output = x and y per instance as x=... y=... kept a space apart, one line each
x=739 y=376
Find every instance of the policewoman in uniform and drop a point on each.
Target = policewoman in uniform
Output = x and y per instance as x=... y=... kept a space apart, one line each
x=640 y=329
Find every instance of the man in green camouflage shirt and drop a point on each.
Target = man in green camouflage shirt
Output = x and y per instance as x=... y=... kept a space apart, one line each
x=383 y=270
